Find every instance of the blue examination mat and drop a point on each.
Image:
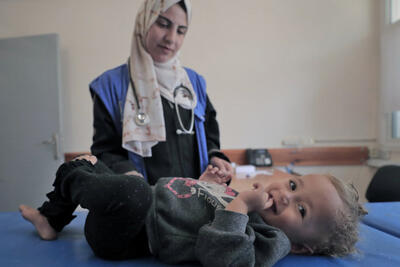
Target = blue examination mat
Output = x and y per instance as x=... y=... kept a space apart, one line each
x=384 y=216
x=20 y=245
x=376 y=248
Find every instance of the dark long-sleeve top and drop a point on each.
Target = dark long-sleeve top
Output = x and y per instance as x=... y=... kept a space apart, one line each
x=178 y=156
x=188 y=222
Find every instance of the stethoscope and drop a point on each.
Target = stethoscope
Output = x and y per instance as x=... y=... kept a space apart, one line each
x=142 y=119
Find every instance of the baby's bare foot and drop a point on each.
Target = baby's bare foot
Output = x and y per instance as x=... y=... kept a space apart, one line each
x=44 y=229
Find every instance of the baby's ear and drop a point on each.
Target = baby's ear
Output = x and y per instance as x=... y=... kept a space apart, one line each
x=301 y=249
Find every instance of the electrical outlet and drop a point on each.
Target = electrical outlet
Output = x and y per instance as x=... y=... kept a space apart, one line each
x=295 y=141
x=376 y=153
x=291 y=141
x=373 y=153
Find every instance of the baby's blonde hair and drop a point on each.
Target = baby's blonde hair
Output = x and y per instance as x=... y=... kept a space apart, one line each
x=344 y=234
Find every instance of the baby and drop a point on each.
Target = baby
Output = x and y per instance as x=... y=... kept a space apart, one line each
x=318 y=212
x=204 y=219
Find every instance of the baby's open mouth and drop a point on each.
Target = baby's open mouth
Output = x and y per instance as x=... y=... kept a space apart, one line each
x=273 y=207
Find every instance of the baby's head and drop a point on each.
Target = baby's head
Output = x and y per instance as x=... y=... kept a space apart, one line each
x=318 y=213
x=344 y=235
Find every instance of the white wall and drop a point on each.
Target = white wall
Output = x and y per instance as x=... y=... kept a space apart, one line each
x=390 y=77
x=274 y=68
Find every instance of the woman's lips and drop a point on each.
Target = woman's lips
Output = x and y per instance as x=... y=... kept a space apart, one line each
x=165 y=48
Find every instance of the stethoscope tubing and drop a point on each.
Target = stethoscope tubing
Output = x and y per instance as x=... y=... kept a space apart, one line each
x=142 y=119
x=178 y=113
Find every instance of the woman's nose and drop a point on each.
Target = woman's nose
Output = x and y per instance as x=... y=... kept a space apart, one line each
x=170 y=36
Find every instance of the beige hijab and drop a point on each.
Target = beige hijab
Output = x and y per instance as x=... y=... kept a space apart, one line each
x=151 y=81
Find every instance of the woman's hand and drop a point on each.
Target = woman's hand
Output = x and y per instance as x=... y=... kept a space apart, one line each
x=92 y=159
x=225 y=168
x=251 y=200
x=134 y=173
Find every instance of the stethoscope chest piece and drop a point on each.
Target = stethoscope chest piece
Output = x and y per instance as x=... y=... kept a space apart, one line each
x=141 y=119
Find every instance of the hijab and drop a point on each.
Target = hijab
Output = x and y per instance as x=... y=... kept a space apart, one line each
x=151 y=80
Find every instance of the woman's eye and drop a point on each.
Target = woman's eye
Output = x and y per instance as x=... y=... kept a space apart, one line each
x=182 y=31
x=162 y=24
x=302 y=210
x=292 y=185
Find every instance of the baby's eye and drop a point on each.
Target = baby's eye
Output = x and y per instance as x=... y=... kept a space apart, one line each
x=302 y=211
x=292 y=185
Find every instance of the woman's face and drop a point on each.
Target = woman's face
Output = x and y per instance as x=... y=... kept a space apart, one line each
x=165 y=37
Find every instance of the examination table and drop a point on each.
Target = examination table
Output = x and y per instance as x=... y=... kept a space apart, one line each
x=379 y=244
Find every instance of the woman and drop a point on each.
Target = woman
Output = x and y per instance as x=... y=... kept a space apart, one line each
x=146 y=104
x=159 y=151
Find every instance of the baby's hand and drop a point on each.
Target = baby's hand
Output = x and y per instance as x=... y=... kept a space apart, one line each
x=251 y=200
x=225 y=168
x=257 y=199
x=214 y=175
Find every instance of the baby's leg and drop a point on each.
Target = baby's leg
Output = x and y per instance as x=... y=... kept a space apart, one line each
x=114 y=227
x=55 y=213
x=44 y=229
x=118 y=206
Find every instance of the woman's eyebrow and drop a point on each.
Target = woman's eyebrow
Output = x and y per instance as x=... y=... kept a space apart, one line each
x=164 y=18
x=170 y=22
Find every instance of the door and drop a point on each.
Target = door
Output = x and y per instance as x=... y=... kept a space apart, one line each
x=29 y=119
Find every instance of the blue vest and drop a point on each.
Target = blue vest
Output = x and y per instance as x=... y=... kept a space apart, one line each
x=112 y=87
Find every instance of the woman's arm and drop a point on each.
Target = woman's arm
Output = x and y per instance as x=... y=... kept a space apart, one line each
x=215 y=156
x=212 y=131
x=107 y=143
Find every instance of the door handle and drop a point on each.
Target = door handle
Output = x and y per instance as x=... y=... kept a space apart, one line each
x=55 y=142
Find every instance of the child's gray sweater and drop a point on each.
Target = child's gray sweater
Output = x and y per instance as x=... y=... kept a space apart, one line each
x=187 y=222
